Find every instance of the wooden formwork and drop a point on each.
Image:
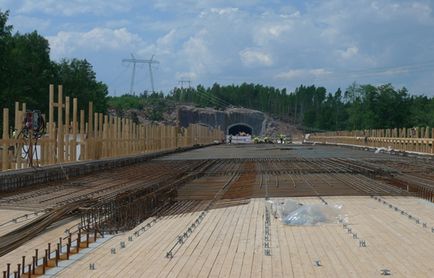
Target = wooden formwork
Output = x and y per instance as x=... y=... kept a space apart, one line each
x=417 y=139
x=70 y=136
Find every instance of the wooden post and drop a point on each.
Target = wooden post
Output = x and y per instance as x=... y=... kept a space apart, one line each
x=74 y=130
x=90 y=121
x=112 y=137
x=19 y=115
x=123 y=135
x=95 y=136
x=51 y=104
x=5 y=139
x=67 y=127
x=17 y=119
x=60 y=137
x=82 y=135
x=88 y=141
x=100 y=134
x=105 y=145
x=118 y=136
x=432 y=140
x=51 y=127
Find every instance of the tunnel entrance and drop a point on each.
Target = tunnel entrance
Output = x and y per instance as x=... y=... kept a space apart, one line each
x=237 y=129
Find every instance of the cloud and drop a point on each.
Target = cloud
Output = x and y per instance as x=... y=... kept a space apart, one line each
x=198 y=55
x=75 y=7
x=6 y=3
x=29 y=23
x=186 y=76
x=319 y=72
x=349 y=52
x=118 y=23
x=302 y=74
x=224 y=11
x=251 y=57
x=291 y=74
x=64 y=43
x=278 y=43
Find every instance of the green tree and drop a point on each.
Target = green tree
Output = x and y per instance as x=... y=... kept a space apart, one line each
x=79 y=80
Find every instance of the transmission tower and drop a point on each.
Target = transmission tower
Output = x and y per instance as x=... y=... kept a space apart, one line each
x=182 y=82
x=135 y=61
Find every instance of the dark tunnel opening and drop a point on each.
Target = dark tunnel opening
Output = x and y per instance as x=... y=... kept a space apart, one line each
x=237 y=129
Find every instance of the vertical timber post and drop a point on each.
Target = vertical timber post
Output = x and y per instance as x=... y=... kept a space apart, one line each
x=51 y=127
x=5 y=139
x=74 y=130
x=60 y=137
x=67 y=128
x=89 y=131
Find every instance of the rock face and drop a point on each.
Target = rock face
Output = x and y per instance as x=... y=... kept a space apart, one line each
x=232 y=120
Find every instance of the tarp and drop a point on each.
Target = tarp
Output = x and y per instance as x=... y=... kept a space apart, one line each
x=293 y=213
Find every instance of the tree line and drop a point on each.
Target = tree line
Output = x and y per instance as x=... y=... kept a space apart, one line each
x=313 y=108
x=26 y=70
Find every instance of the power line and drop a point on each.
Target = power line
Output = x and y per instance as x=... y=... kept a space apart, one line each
x=206 y=95
x=135 y=61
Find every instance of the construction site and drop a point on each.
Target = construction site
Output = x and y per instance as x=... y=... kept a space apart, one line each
x=213 y=211
x=216 y=139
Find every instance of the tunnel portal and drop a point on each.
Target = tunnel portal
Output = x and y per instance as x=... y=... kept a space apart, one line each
x=236 y=129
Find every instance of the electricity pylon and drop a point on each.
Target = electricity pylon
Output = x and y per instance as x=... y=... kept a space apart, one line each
x=135 y=61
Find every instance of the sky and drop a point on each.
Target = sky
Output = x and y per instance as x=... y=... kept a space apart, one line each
x=275 y=43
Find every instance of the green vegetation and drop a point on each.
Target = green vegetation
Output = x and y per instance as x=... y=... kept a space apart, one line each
x=26 y=71
x=154 y=105
x=313 y=108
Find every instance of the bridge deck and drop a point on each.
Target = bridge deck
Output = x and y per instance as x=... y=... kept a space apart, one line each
x=396 y=226
x=230 y=243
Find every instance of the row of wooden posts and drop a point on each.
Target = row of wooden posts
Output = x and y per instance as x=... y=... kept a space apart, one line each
x=417 y=139
x=72 y=137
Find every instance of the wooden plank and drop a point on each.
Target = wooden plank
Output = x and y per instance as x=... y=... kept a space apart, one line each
x=259 y=240
x=158 y=261
x=387 y=246
x=284 y=254
x=205 y=264
x=186 y=259
x=228 y=238
x=241 y=248
x=223 y=264
x=128 y=262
